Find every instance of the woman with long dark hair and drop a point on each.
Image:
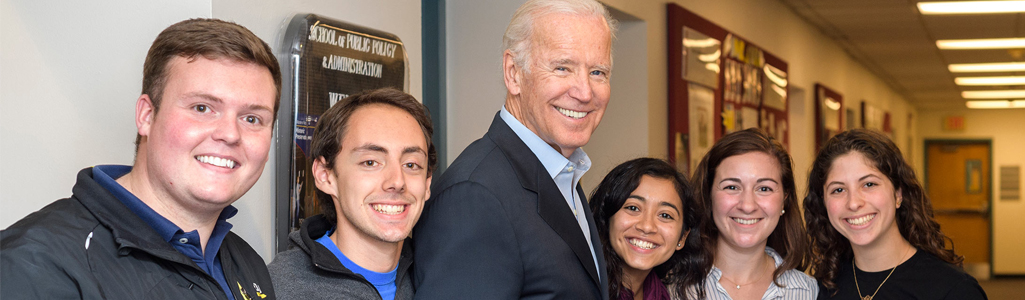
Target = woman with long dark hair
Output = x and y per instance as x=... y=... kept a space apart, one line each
x=872 y=228
x=752 y=240
x=643 y=212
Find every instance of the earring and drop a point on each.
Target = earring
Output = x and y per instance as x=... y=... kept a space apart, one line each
x=784 y=211
x=679 y=245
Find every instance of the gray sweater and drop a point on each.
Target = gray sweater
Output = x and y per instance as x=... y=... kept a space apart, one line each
x=310 y=271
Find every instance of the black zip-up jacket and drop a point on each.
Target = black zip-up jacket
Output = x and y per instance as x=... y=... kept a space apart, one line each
x=91 y=246
x=311 y=271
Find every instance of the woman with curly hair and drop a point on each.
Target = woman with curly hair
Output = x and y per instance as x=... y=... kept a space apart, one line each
x=750 y=247
x=643 y=212
x=872 y=228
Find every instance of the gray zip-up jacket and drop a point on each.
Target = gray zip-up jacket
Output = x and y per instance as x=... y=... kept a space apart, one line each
x=311 y=271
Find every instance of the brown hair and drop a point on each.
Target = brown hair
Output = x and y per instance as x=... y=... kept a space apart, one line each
x=914 y=217
x=788 y=238
x=212 y=39
x=327 y=137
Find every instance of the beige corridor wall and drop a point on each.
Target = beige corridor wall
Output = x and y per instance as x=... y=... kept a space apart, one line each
x=1004 y=128
x=812 y=58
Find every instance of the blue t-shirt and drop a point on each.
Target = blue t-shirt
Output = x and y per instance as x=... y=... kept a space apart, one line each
x=384 y=282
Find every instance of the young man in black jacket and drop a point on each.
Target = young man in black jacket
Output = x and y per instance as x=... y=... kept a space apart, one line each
x=373 y=160
x=158 y=229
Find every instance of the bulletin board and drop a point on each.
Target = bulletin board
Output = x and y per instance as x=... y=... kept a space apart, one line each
x=718 y=83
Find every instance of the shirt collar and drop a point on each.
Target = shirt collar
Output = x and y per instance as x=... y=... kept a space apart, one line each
x=106 y=176
x=552 y=160
x=790 y=278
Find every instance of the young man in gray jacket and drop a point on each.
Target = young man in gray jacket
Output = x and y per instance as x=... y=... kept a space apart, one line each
x=373 y=160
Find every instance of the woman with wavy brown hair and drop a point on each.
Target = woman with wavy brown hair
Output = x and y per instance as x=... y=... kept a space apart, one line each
x=872 y=229
x=750 y=246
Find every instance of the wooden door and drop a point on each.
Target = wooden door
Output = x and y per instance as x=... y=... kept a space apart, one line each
x=958 y=181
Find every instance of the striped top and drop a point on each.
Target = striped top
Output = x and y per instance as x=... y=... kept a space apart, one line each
x=796 y=284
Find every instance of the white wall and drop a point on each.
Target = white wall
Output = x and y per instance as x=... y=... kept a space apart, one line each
x=71 y=73
x=475 y=91
x=1003 y=127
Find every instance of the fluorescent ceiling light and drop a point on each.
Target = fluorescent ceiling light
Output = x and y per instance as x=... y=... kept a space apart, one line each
x=991 y=104
x=971 y=7
x=987 y=67
x=1008 y=43
x=990 y=80
x=1000 y=94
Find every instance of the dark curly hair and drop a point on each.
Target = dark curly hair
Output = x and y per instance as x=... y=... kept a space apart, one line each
x=788 y=238
x=914 y=216
x=609 y=197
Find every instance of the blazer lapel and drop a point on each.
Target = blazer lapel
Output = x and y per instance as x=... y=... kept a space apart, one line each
x=551 y=206
x=596 y=244
x=553 y=209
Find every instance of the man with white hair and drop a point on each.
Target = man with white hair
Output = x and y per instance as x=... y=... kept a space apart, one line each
x=509 y=219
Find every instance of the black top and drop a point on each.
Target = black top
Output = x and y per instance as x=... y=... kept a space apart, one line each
x=923 y=276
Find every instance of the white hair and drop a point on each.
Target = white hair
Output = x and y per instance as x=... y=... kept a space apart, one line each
x=517 y=36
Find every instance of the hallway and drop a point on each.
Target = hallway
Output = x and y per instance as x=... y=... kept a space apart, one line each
x=1012 y=288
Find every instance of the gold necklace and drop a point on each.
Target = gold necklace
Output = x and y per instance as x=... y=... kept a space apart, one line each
x=753 y=281
x=854 y=268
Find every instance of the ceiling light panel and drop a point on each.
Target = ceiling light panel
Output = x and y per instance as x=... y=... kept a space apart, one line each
x=971 y=7
x=999 y=94
x=1007 y=43
x=991 y=80
x=987 y=67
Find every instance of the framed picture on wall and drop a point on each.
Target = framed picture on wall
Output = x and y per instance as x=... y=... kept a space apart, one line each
x=871 y=116
x=718 y=83
x=828 y=114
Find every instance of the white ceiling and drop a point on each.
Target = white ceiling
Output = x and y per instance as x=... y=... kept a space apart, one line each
x=897 y=43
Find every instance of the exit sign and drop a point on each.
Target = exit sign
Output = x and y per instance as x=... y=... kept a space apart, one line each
x=953 y=123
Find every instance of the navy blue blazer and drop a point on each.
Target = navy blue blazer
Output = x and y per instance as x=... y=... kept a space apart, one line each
x=497 y=227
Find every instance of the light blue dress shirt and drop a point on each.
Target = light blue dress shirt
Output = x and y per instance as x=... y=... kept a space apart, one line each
x=566 y=172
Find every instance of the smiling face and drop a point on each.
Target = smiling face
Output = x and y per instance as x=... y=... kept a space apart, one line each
x=563 y=96
x=208 y=143
x=380 y=181
x=646 y=230
x=861 y=201
x=747 y=199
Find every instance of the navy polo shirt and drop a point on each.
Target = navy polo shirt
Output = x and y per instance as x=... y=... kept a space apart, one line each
x=185 y=242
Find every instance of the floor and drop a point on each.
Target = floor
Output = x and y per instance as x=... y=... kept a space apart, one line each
x=1004 y=288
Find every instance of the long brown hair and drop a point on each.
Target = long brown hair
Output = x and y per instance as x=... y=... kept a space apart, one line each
x=788 y=238
x=914 y=216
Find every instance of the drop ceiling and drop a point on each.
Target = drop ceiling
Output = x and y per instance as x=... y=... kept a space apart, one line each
x=897 y=43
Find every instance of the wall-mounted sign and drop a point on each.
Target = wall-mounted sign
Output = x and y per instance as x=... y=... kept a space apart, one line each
x=953 y=123
x=323 y=61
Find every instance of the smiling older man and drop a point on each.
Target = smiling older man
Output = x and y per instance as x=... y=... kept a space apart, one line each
x=509 y=219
